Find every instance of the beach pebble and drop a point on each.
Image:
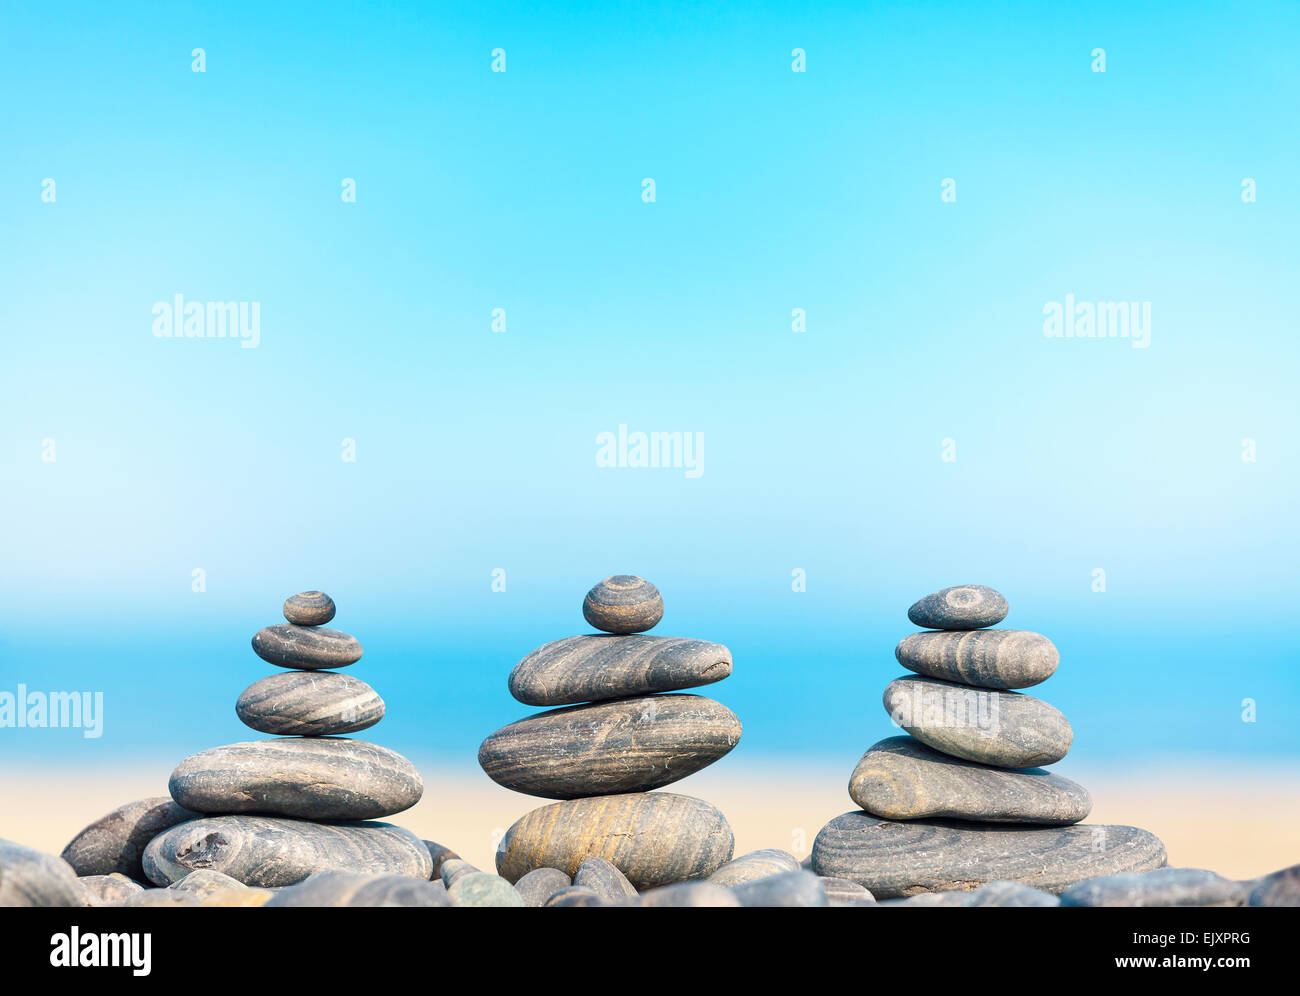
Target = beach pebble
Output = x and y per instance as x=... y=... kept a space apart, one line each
x=541 y=884
x=606 y=881
x=456 y=868
x=793 y=888
x=116 y=842
x=266 y=852
x=306 y=647
x=1281 y=888
x=902 y=779
x=967 y=606
x=597 y=668
x=204 y=882
x=1009 y=894
x=309 y=778
x=609 y=748
x=29 y=877
x=108 y=890
x=842 y=892
x=899 y=859
x=161 y=897
x=309 y=704
x=238 y=897
x=623 y=604
x=342 y=889
x=1160 y=887
x=574 y=895
x=1006 y=729
x=439 y=854
x=309 y=608
x=989 y=658
x=755 y=865
x=686 y=894
x=483 y=889
x=653 y=838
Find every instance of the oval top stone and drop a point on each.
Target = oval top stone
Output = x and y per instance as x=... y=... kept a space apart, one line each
x=623 y=604
x=596 y=668
x=989 y=658
x=309 y=608
x=306 y=647
x=309 y=704
x=967 y=606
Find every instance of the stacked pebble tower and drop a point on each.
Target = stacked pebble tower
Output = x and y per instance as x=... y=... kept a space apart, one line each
x=972 y=754
x=276 y=811
x=616 y=737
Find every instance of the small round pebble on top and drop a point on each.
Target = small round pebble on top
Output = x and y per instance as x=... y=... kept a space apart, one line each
x=623 y=604
x=967 y=606
x=309 y=608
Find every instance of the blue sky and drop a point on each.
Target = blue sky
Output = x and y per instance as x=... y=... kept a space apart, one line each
x=476 y=450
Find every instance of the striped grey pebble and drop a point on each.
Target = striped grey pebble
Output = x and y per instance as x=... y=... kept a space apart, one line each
x=116 y=842
x=989 y=658
x=902 y=779
x=108 y=890
x=687 y=894
x=29 y=877
x=793 y=888
x=342 y=889
x=267 y=852
x=607 y=748
x=1006 y=729
x=755 y=865
x=604 y=880
x=309 y=704
x=483 y=889
x=309 y=608
x=895 y=859
x=654 y=838
x=456 y=868
x=541 y=884
x=439 y=854
x=1280 y=888
x=203 y=882
x=967 y=606
x=309 y=778
x=842 y=892
x=597 y=668
x=1160 y=887
x=575 y=895
x=306 y=647
x=622 y=604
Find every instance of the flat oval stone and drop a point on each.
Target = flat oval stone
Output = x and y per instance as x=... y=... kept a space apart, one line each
x=267 y=852
x=682 y=894
x=315 y=779
x=307 y=647
x=1280 y=888
x=967 y=606
x=608 y=748
x=989 y=658
x=902 y=859
x=842 y=892
x=107 y=890
x=309 y=704
x=653 y=838
x=29 y=877
x=902 y=779
x=483 y=889
x=597 y=668
x=1160 y=887
x=755 y=865
x=606 y=881
x=541 y=884
x=309 y=608
x=623 y=603
x=347 y=890
x=789 y=889
x=1006 y=729
x=116 y=842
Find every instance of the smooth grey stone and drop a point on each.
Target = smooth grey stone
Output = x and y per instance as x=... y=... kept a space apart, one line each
x=203 y=882
x=306 y=647
x=1280 y=888
x=967 y=606
x=895 y=859
x=930 y=899
x=989 y=658
x=575 y=895
x=541 y=884
x=161 y=897
x=456 y=868
x=609 y=748
x=794 y=888
x=654 y=838
x=265 y=852
x=309 y=778
x=604 y=880
x=755 y=865
x=842 y=892
x=483 y=889
x=108 y=890
x=902 y=779
x=439 y=854
x=1006 y=729
x=116 y=842
x=341 y=889
x=29 y=877
x=1160 y=887
x=309 y=704
x=686 y=894
x=597 y=668
x=623 y=604
x=1010 y=894
x=309 y=608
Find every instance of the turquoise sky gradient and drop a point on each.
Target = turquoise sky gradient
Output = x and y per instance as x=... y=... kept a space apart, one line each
x=476 y=450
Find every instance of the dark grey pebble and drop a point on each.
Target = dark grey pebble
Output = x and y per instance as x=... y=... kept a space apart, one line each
x=604 y=880
x=309 y=608
x=795 y=888
x=309 y=704
x=623 y=604
x=1281 y=888
x=306 y=647
x=967 y=606
x=29 y=877
x=1159 y=887
x=575 y=895
x=541 y=884
x=989 y=658
x=116 y=842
